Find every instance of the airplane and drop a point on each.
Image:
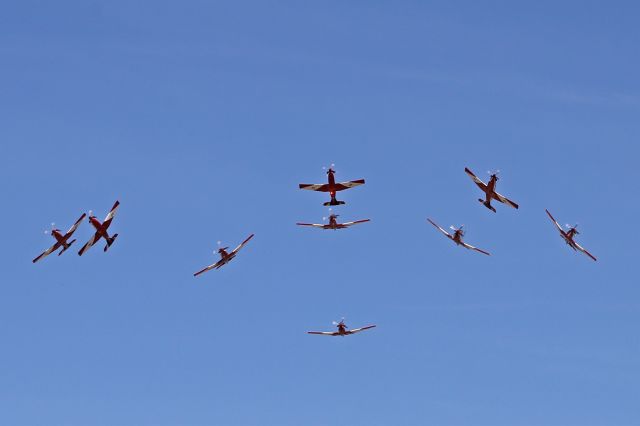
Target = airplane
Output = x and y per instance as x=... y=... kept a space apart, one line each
x=342 y=330
x=457 y=237
x=489 y=190
x=332 y=187
x=61 y=240
x=101 y=230
x=225 y=257
x=333 y=223
x=568 y=236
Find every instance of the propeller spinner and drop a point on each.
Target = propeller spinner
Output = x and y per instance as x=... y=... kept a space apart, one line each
x=332 y=167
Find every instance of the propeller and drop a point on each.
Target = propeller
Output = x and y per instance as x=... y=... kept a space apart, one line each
x=220 y=248
x=569 y=227
x=330 y=214
x=493 y=172
x=53 y=226
x=459 y=230
x=331 y=167
x=339 y=323
x=90 y=213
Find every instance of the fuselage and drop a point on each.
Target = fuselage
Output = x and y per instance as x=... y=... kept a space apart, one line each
x=332 y=182
x=225 y=257
x=457 y=236
x=333 y=223
x=491 y=186
x=568 y=237
x=100 y=228
x=58 y=236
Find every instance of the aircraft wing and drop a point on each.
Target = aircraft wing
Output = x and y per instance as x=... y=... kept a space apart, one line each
x=237 y=249
x=441 y=230
x=216 y=265
x=470 y=247
x=504 y=200
x=111 y=214
x=75 y=225
x=355 y=222
x=315 y=225
x=357 y=330
x=315 y=187
x=555 y=222
x=89 y=243
x=579 y=247
x=47 y=252
x=324 y=333
x=350 y=184
x=478 y=182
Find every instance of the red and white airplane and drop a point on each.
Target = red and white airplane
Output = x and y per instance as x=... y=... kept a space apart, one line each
x=568 y=235
x=332 y=187
x=61 y=240
x=333 y=223
x=101 y=230
x=342 y=330
x=225 y=257
x=457 y=237
x=489 y=190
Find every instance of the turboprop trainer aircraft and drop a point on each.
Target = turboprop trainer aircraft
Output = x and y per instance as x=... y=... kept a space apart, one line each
x=342 y=330
x=457 y=237
x=568 y=235
x=61 y=240
x=225 y=257
x=101 y=230
x=333 y=223
x=332 y=187
x=489 y=191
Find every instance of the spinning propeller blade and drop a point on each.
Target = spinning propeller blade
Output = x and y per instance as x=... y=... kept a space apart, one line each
x=332 y=167
x=330 y=214
x=53 y=226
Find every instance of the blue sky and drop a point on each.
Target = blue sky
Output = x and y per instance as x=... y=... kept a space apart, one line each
x=202 y=118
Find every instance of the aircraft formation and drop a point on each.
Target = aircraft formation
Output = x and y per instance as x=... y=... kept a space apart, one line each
x=101 y=232
x=332 y=187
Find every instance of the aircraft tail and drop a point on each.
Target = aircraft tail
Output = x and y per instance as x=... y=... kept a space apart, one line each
x=487 y=204
x=110 y=241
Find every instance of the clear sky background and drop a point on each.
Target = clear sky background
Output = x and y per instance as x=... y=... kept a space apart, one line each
x=202 y=117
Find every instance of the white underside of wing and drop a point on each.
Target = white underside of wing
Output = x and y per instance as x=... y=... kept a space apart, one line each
x=475 y=178
x=210 y=267
x=45 y=253
x=351 y=184
x=89 y=243
x=113 y=211
x=555 y=222
x=469 y=246
x=312 y=187
x=242 y=244
x=505 y=200
x=441 y=230
x=75 y=225
x=355 y=222
x=357 y=330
